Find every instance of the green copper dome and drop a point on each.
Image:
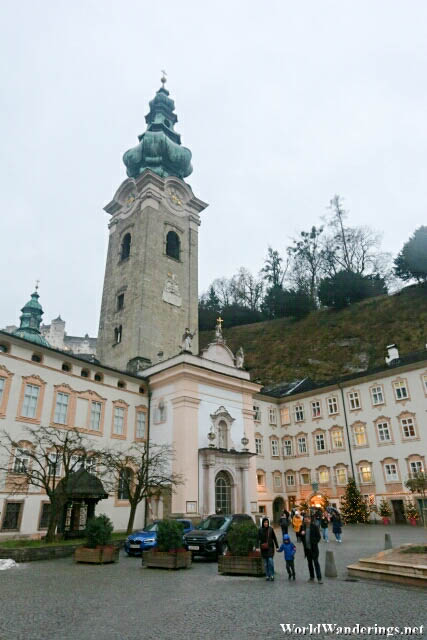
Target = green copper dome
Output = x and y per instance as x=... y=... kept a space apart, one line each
x=159 y=148
x=30 y=321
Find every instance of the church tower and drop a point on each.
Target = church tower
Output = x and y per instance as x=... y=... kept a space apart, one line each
x=150 y=294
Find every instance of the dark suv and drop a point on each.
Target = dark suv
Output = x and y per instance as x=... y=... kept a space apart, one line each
x=209 y=538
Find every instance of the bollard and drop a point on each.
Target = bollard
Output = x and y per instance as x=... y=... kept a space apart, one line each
x=330 y=568
x=387 y=541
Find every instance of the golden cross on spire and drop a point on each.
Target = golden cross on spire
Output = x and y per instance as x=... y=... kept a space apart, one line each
x=163 y=78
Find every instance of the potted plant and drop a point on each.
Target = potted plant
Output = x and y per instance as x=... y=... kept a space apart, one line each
x=411 y=512
x=99 y=549
x=169 y=552
x=385 y=511
x=242 y=558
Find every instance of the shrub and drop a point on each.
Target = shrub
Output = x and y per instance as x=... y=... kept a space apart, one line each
x=98 y=531
x=169 y=535
x=242 y=538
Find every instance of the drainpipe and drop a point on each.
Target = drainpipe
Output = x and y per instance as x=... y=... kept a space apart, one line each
x=347 y=431
x=147 y=445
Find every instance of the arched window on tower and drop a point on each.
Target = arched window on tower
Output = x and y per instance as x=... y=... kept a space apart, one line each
x=173 y=245
x=125 y=248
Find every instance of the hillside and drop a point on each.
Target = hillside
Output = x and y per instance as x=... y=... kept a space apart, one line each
x=328 y=343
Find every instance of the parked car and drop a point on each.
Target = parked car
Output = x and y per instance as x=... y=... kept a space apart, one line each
x=146 y=539
x=209 y=538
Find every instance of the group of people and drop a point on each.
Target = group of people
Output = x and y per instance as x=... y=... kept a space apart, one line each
x=307 y=527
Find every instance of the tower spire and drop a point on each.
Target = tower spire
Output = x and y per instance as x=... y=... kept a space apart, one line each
x=30 y=320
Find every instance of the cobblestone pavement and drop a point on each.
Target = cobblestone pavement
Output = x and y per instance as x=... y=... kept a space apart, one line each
x=58 y=600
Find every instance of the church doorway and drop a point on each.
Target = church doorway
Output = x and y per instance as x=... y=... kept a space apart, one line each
x=223 y=493
x=278 y=506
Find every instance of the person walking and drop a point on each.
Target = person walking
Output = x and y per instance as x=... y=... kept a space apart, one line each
x=289 y=550
x=310 y=535
x=284 y=522
x=324 y=526
x=337 y=526
x=267 y=542
x=297 y=523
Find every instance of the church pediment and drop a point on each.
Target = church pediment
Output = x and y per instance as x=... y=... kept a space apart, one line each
x=219 y=352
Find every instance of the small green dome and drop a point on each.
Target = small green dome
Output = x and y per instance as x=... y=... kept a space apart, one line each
x=30 y=322
x=159 y=147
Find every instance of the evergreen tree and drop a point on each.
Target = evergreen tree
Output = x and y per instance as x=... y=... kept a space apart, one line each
x=411 y=263
x=354 y=508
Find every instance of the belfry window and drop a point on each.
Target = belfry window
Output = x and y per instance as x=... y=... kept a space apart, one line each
x=125 y=248
x=118 y=334
x=173 y=245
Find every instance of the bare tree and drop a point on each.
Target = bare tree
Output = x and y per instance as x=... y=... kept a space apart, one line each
x=308 y=259
x=247 y=290
x=50 y=455
x=274 y=272
x=139 y=473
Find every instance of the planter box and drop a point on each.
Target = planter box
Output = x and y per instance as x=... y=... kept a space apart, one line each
x=166 y=560
x=100 y=555
x=241 y=565
x=48 y=552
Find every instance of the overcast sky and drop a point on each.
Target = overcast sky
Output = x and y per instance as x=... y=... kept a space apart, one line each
x=283 y=104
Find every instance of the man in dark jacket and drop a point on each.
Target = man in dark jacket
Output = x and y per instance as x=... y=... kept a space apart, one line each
x=310 y=536
x=284 y=522
x=267 y=542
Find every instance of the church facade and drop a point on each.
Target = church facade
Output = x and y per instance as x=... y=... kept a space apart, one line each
x=239 y=448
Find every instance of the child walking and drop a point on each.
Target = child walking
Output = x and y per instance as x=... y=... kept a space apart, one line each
x=289 y=550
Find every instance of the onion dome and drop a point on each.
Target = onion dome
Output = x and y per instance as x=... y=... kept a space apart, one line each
x=30 y=321
x=159 y=147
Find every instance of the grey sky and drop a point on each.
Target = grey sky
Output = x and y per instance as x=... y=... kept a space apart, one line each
x=283 y=104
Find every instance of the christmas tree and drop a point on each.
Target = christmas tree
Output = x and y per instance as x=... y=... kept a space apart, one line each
x=353 y=506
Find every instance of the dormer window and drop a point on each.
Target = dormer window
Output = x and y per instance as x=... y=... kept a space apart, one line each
x=84 y=373
x=36 y=357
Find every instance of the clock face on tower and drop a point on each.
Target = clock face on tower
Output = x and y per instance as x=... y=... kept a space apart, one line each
x=175 y=198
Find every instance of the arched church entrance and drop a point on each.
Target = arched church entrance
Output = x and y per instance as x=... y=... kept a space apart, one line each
x=278 y=506
x=223 y=503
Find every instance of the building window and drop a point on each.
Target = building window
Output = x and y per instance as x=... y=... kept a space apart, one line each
x=299 y=413
x=125 y=479
x=29 y=406
x=377 y=395
x=285 y=416
x=341 y=476
x=315 y=409
x=54 y=464
x=400 y=390
x=118 y=334
x=261 y=508
x=84 y=373
x=95 y=415
x=66 y=366
x=304 y=477
x=258 y=446
x=44 y=516
x=223 y=492
x=290 y=480
x=120 y=301
x=354 y=400
x=324 y=476
x=287 y=447
x=61 y=408
x=384 y=434
x=257 y=413
x=141 y=390
x=12 y=516
x=416 y=466
x=2 y=385
x=140 y=424
x=274 y=448
x=4 y=348
x=272 y=418
x=337 y=440
x=302 y=445
x=359 y=433
x=36 y=358
x=320 y=442
x=98 y=377
x=260 y=478
x=390 y=470
x=277 y=481
x=125 y=248
x=332 y=405
x=172 y=245
x=119 y=421
x=21 y=462
x=408 y=427
x=365 y=474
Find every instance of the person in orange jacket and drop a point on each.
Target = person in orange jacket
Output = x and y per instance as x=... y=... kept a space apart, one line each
x=297 y=524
